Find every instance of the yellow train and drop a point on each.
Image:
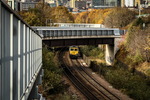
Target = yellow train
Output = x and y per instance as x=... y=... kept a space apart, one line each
x=73 y=51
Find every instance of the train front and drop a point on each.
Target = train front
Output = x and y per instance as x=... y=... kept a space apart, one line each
x=74 y=52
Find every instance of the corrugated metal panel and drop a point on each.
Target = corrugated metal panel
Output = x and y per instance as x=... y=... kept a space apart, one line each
x=20 y=55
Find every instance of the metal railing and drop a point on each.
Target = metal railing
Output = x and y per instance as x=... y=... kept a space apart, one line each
x=75 y=32
x=79 y=25
x=20 y=54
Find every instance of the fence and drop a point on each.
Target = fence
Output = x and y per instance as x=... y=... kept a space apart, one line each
x=94 y=66
x=20 y=55
x=101 y=71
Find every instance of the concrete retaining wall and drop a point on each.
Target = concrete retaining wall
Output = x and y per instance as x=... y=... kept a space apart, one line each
x=87 y=60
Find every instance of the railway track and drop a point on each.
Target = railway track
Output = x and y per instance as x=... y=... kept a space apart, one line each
x=91 y=88
x=73 y=78
x=106 y=94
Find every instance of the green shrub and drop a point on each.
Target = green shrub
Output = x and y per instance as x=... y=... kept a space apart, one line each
x=101 y=55
x=148 y=72
x=85 y=50
x=138 y=57
x=129 y=59
x=133 y=85
x=94 y=52
x=52 y=73
x=91 y=51
x=139 y=21
x=66 y=96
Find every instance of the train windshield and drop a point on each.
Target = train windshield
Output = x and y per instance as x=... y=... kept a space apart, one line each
x=71 y=49
x=76 y=49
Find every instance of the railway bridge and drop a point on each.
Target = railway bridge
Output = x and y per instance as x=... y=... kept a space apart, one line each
x=67 y=36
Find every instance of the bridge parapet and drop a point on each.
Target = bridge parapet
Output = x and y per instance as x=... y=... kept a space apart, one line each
x=80 y=25
x=20 y=56
x=51 y=32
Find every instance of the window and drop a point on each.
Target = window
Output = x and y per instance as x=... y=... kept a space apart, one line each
x=71 y=49
x=76 y=49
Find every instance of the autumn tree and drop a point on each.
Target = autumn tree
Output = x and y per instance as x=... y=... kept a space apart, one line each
x=62 y=15
x=100 y=15
x=137 y=40
x=109 y=20
x=141 y=42
x=32 y=19
x=95 y=16
x=82 y=17
x=43 y=12
x=119 y=17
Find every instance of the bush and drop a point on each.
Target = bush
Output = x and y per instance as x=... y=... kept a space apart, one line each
x=138 y=57
x=133 y=85
x=148 y=72
x=92 y=51
x=129 y=59
x=85 y=50
x=101 y=55
x=52 y=73
x=139 y=21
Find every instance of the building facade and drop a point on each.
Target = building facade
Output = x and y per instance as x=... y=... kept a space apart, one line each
x=80 y=4
x=13 y=4
x=97 y=3
x=25 y=5
x=112 y=3
x=72 y=3
x=135 y=3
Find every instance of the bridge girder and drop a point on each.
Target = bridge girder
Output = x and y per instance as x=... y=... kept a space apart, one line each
x=84 y=41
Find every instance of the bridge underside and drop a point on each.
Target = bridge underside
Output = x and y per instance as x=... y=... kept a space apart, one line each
x=69 y=42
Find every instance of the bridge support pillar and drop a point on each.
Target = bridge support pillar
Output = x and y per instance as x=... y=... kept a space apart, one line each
x=35 y=93
x=111 y=51
x=109 y=55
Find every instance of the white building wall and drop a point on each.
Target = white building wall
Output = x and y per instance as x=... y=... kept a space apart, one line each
x=129 y=3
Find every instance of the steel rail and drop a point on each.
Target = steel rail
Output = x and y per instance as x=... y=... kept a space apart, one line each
x=90 y=82
x=69 y=77
x=76 y=79
x=80 y=81
x=98 y=82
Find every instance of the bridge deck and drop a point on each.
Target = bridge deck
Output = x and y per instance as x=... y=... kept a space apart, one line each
x=64 y=32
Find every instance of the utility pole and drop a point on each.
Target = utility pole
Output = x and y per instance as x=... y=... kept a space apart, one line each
x=50 y=22
x=139 y=10
x=46 y=22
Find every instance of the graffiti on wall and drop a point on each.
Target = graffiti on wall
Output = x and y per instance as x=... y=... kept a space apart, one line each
x=110 y=59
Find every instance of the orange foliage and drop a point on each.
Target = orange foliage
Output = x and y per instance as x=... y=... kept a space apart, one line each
x=95 y=16
x=121 y=41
